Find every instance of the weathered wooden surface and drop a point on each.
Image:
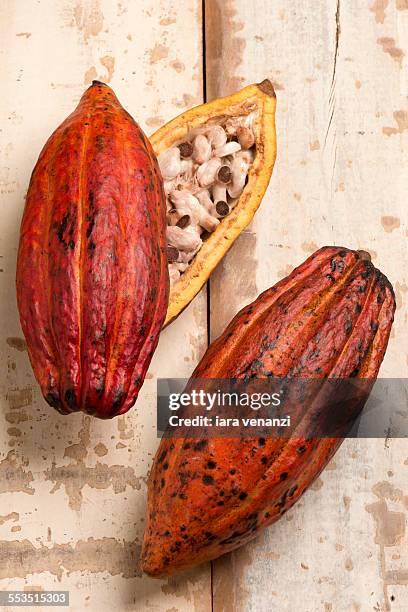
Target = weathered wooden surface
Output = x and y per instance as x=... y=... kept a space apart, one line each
x=72 y=490
x=340 y=72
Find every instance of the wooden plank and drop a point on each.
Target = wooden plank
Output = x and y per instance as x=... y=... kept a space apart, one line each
x=73 y=489
x=340 y=74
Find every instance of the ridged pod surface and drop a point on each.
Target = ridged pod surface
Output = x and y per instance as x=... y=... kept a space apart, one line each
x=330 y=318
x=92 y=279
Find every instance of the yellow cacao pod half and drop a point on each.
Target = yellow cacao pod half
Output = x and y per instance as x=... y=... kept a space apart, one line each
x=216 y=161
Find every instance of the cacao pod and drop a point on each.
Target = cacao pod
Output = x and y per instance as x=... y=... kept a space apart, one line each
x=230 y=199
x=92 y=278
x=330 y=318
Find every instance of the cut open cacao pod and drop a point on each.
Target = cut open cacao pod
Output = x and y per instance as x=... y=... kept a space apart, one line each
x=92 y=278
x=216 y=161
x=330 y=318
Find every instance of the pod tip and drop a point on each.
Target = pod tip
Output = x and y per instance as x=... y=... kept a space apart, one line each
x=267 y=87
x=98 y=83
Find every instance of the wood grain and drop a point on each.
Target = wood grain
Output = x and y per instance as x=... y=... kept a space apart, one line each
x=340 y=75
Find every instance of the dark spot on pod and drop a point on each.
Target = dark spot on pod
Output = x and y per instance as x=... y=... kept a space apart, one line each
x=165 y=466
x=62 y=227
x=293 y=490
x=182 y=528
x=342 y=253
x=283 y=476
x=117 y=400
x=166 y=533
x=183 y=221
x=348 y=327
x=359 y=308
x=99 y=142
x=380 y=299
x=261 y=442
x=162 y=456
x=333 y=265
x=220 y=503
x=71 y=245
x=208 y=480
x=211 y=465
x=354 y=373
x=172 y=254
x=186 y=149
x=53 y=400
x=210 y=536
x=175 y=547
x=330 y=277
x=267 y=514
x=362 y=288
x=199 y=446
x=340 y=266
x=374 y=326
x=186 y=446
x=264 y=460
x=69 y=398
x=224 y=174
x=166 y=560
x=243 y=495
x=301 y=449
x=232 y=471
x=222 y=208
x=252 y=517
x=90 y=227
x=91 y=246
x=162 y=483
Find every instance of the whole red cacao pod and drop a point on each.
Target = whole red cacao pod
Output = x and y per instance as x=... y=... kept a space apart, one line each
x=330 y=318
x=92 y=280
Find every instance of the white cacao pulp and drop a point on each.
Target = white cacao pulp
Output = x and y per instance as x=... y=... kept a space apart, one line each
x=204 y=177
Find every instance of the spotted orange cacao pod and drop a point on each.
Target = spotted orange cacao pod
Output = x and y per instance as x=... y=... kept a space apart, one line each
x=92 y=280
x=330 y=318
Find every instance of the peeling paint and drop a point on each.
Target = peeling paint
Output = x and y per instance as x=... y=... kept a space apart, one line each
x=13 y=477
x=401 y=118
x=390 y=223
x=88 y=18
x=157 y=53
x=12 y=516
x=389 y=46
x=378 y=8
x=19 y=559
x=17 y=343
x=20 y=398
x=177 y=66
x=90 y=75
x=109 y=63
x=100 y=450
x=75 y=476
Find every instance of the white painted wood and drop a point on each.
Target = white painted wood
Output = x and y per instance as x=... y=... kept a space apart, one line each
x=340 y=72
x=72 y=490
